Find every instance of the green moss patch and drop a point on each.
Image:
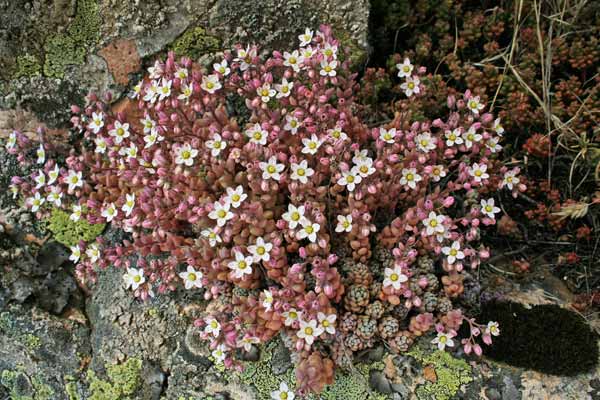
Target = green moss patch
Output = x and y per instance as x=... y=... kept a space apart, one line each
x=194 y=43
x=545 y=338
x=69 y=232
x=123 y=381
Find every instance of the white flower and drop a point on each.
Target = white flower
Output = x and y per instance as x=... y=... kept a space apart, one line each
x=134 y=278
x=12 y=141
x=311 y=146
x=222 y=68
x=271 y=169
x=293 y=59
x=453 y=137
x=364 y=168
x=241 y=266
x=75 y=253
x=344 y=223
x=100 y=145
x=185 y=154
x=186 y=92
x=329 y=51
x=268 y=300
x=292 y=124
x=492 y=144
x=510 y=179
x=405 y=69
x=337 y=134
x=109 y=212
x=156 y=70
x=444 y=339
x=36 y=202
x=97 y=122
x=40 y=179
x=284 y=393
x=14 y=190
x=245 y=56
x=474 y=105
x=247 y=342
x=301 y=172
x=306 y=37
x=349 y=179
x=394 y=277
x=219 y=353
x=235 y=196
x=327 y=322
x=307 y=53
x=221 y=213
x=387 y=135
x=76 y=214
x=328 y=68
x=212 y=236
x=488 y=208
x=129 y=204
x=191 y=278
x=151 y=92
x=211 y=83
x=152 y=138
x=216 y=144
x=478 y=172
x=294 y=216
x=285 y=89
x=471 y=136
x=93 y=253
x=164 y=90
x=137 y=90
x=55 y=196
x=74 y=179
x=492 y=328
x=498 y=127
x=438 y=172
x=130 y=152
x=410 y=177
x=361 y=156
x=411 y=86
x=181 y=73
x=425 y=142
x=149 y=125
x=291 y=316
x=260 y=250
x=257 y=135
x=41 y=154
x=119 y=132
x=309 y=230
x=453 y=252
x=265 y=92
x=434 y=224
x=309 y=331
x=213 y=327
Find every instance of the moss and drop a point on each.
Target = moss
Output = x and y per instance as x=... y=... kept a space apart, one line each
x=71 y=390
x=195 y=42
x=32 y=342
x=71 y=47
x=69 y=232
x=451 y=373
x=546 y=338
x=123 y=381
x=27 y=65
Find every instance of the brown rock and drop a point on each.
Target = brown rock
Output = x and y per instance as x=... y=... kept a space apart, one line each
x=122 y=58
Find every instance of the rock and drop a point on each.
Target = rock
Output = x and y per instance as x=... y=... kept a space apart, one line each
x=122 y=59
x=379 y=382
x=280 y=361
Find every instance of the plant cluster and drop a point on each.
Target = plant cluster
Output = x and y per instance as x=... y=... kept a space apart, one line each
x=256 y=183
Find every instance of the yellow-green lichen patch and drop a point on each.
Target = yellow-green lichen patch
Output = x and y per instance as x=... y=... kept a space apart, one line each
x=194 y=43
x=27 y=65
x=451 y=374
x=69 y=232
x=71 y=47
x=123 y=381
x=31 y=341
x=22 y=387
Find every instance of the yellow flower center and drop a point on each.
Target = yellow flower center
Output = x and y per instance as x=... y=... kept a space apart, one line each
x=349 y=179
x=214 y=324
x=120 y=132
x=335 y=134
x=186 y=154
x=257 y=135
x=260 y=250
x=411 y=85
x=222 y=69
x=301 y=171
x=312 y=145
x=192 y=276
x=387 y=136
x=137 y=279
x=452 y=136
x=265 y=92
x=433 y=223
x=436 y=171
x=149 y=124
x=325 y=323
x=453 y=252
x=293 y=123
x=346 y=224
x=328 y=52
x=364 y=169
x=165 y=90
x=242 y=265
x=221 y=213
x=283 y=395
x=309 y=229
x=443 y=339
x=97 y=121
x=470 y=136
x=285 y=89
x=210 y=85
x=293 y=60
x=217 y=144
x=236 y=197
x=271 y=169
x=295 y=216
x=424 y=142
x=394 y=277
x=472 y=104
x=212 y=235
x=308 y=330
x=293 y=314
x=327 y=68
x=410 y=177
x=478 y=173
x=509 y=179
x=406 y=68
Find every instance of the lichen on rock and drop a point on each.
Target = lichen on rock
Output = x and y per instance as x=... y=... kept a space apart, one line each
x=70 y=232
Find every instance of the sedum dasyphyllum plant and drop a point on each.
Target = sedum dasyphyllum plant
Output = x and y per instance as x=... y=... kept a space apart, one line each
x=254 y=183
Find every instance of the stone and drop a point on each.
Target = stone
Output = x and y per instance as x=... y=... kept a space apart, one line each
x=122 y=59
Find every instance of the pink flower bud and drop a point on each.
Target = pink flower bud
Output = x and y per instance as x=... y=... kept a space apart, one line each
x=448 y=201
x=477 y=349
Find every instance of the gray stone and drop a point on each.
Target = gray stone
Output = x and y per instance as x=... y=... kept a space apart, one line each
x=280 y=361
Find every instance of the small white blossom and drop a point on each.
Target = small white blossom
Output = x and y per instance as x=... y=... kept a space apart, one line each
x=134 y=278
x=293 y=59
x=309 y=230
x=492 y=328
x=137 y=90
x=40 y=179
x=12 y=141
x=101 y=145
x=284 y=392
x=216 y=145
x=247 y=342
x=181 y=73
x=164 y=90
x=307 y=53
x=292 y=124
x=191 y=278
x=453 y=137
x=411 y=86
x=329 y=51
x=75 y=253
x=444 y=339
x=267 y=302
x=285 y=89
x=271 y=169
x=349 y=179
x=510 y=180
x=149 y=125
x=410 y=177
x=344 y=223
x=245 y=56
x=405 y=69
x=498 y=127
x=55 y=196
x=260 y=250
x=241 y=266
x=219 y=353
x=364 y=168
x=471 y=136
x=425 y=142
x=327 y=322
x=492 y=144
x=361 y=156
x=437 y=172
x=222 y=68
x=97 y=122
x=221 y=213
x=119 y=132
x=185 y=155
x=236 y=196
x=337 y=134
x=311 y=146
x=211 y=83
x=109 y=212
x=36 y=202
x=74 y=179
x=76 y=214
x=478 y=172
x=488 y=208
x=387 y=135
x=265 y=92
x=453 y=252
x=213 y=327
x=41 y=154
x=301 y=172
x=152 y=138
x=291 y=316
x=186 y=92
x=212 y=236
x=434 y=224
x=474 y=105
x=129 y=204
x=257 y=135
x=394 y=277
x=306 y=37
x=151 y=92
x=93 y=253
x=309 y=331
x=328 y=68
x=156 y=70
x=294 y=216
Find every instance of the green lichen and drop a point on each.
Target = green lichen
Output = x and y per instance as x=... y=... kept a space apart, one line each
x=27 y=65
x=451 y=374
x=7 y=323
x=194 y=43
x=69 y=232
x=71 y=47
x=123 y=381
x=71 y=390
x=21 y=387
x=347 y=386
x=31 y=341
